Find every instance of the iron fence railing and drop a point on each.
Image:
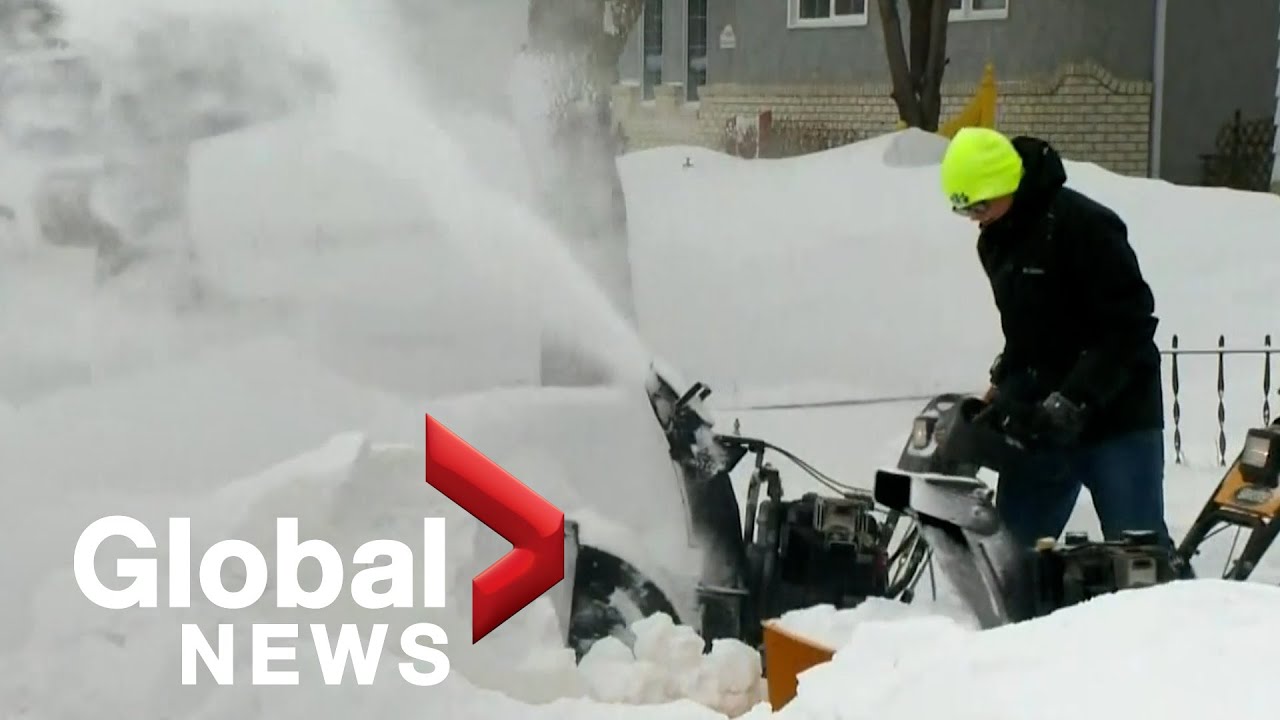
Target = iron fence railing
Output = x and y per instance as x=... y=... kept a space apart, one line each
x=1220 y=353
x=1175 y=352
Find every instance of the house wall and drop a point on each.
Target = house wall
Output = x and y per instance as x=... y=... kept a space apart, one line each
x=1215 y=62
x=1084 y=110
x=1034 y=40
x=1076 y=72
x=674 y=25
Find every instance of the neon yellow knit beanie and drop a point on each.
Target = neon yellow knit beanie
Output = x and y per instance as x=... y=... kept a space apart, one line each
x=980 y=164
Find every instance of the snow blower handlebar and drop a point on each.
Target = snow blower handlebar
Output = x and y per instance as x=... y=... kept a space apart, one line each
x=972 y=433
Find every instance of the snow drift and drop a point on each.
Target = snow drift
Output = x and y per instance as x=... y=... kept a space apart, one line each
x=859 y=242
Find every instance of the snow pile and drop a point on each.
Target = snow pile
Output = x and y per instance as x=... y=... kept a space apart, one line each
x=176 y=434
x=915 y=148
x=346 y=492
x=1119 y=656
x=666 y=663
x=831 y=628
x=847 y=269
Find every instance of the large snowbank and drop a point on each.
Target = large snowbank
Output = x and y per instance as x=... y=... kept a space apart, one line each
x=846 y=269
x=1164 y=652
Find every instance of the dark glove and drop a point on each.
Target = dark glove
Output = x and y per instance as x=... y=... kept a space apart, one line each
x=1015 y=419
x=1059 y=421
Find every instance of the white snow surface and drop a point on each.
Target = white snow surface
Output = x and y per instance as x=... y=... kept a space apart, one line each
x=1125 y=655
x=371 y=259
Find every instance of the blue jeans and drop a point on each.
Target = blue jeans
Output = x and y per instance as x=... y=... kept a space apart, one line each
x=1124 y=475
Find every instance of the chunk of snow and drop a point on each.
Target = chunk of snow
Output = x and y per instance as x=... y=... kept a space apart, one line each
x=666 y=663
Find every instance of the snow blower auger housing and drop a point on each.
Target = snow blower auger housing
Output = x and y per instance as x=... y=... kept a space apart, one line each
x=1247 y=498
x=999 y=579
x=776 y=555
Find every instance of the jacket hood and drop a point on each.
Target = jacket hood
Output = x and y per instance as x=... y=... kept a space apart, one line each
x=1043 y=174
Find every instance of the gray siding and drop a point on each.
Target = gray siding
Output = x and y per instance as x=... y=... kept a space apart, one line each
x=1032 y=41
x=1035 y=39
x=1215 y=62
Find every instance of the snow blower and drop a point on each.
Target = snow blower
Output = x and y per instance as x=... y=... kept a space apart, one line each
x=774 y=554
x=758 y=560
x=1247 y=499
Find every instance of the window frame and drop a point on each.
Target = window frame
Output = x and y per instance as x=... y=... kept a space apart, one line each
x=647 y=92
x=692 y=92
x=966 y=13
x=795 y=22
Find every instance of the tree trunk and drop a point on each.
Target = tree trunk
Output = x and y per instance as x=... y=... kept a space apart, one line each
x=935 y=61
x=899 y=68
x=916 y=71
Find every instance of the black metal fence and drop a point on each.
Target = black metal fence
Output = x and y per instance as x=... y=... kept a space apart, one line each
x=1176 y=354
x=1220 y=353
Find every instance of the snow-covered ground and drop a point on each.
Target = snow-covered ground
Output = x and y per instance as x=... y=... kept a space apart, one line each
x=372 y=261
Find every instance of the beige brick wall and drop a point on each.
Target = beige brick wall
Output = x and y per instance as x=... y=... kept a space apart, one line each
x=1088 y=114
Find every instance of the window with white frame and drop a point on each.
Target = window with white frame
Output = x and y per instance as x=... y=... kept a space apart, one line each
x=979 y=9
x=826 y=13
x=651 y=52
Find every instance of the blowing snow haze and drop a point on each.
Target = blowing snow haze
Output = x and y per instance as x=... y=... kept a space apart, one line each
x=351 y=178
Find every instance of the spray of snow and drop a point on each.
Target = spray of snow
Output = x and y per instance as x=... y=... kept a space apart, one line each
x=349 y=165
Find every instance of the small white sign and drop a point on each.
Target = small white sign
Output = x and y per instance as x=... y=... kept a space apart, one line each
x=728 y=40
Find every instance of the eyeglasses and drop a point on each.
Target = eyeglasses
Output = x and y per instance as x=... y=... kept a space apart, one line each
x=972 y=210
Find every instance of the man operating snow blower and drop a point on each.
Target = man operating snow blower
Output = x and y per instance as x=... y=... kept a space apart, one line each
x=1078 y=380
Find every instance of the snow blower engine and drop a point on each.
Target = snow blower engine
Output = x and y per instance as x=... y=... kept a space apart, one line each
x=757 y=562
x=783 y=554
x=1001 y=580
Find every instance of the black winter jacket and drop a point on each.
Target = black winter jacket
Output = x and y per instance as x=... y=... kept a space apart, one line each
x=1077 y=315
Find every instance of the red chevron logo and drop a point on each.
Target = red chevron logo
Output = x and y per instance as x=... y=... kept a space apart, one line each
x=533 y=526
